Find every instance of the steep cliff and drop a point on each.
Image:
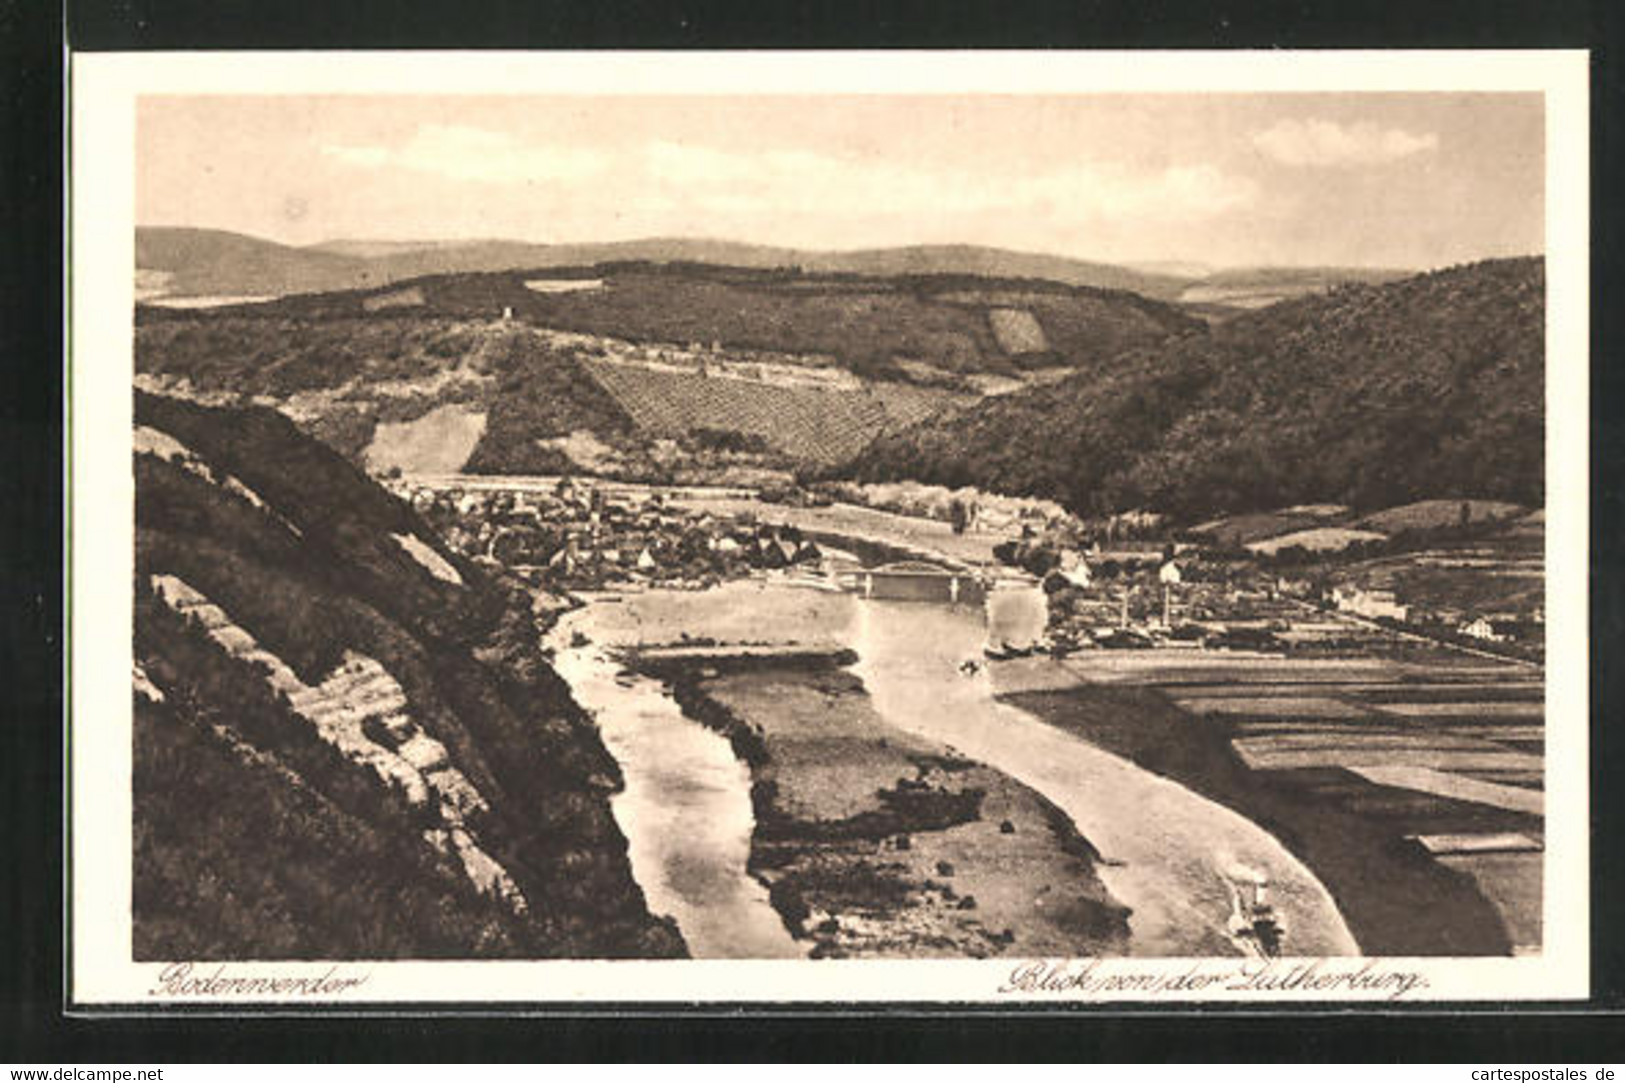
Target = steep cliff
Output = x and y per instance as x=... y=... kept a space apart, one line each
x=347 y=744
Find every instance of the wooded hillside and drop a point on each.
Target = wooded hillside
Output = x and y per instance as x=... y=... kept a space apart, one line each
x=1369 y=396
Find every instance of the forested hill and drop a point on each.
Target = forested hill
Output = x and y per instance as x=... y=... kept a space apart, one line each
x=1369 y=395
x=746 y=370
x=869 y=324
x=210 y=261
x=346 y=741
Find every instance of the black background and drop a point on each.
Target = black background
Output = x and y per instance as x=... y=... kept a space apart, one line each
x=33 y=1024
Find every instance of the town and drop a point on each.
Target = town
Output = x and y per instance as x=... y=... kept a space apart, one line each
x=1156 y=587
x=1128 y=582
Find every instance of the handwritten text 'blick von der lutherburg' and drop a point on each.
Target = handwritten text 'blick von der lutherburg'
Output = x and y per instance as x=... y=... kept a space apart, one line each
x=1257 y=978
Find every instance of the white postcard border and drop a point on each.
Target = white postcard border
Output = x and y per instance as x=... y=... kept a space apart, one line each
x=104 y=88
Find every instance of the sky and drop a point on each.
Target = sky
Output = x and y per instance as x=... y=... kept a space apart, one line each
x=1351 y=179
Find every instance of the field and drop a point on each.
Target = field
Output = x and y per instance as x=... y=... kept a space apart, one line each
x=1256 y=526
x=1332 y=526
x=1318 y=539
x=438 y=442
x=1498 y=573
x=1017 y=330
x=805 y=423
x=1365 y=768
x=1432 y=514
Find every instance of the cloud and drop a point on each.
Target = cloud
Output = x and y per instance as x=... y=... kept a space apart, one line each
x=1327 y=143
x=788 y=180
x=476 y=154
x=662 y=176
x=1177 y=193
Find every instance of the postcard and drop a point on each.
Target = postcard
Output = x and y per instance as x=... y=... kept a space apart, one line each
x=843 y=528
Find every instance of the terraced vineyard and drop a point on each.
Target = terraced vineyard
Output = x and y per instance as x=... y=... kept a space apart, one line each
x=809 y=424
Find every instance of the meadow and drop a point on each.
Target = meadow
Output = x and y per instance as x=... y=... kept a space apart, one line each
x=1431 y=771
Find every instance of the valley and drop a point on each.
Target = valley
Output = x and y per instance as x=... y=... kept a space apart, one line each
x=1405 y=772
x=620 y=607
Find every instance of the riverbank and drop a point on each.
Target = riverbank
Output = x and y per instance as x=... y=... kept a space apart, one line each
x=684 y=808
x=1394 y=897
x=1171 y=857
x=874 y=843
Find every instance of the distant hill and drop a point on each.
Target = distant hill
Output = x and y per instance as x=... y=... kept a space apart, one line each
x=775 y=370
x=1258 y=287
x=214 y=262
x=1431 y=386
x=1288 y=277
x=347 y=744
x=865 y=322
x=992 y=263
x=373 y=249
x=1175 y=268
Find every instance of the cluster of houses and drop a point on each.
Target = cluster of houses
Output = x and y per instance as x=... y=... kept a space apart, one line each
x=1371 y=604
x=580 y=535
x=1374 y=603
x=1505 y=628
x=1176 y=596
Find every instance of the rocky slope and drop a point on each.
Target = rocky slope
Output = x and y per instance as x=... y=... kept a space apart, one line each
x=347 y=744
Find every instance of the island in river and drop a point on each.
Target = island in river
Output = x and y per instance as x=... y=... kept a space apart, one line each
x=871 y=842
x=898 y=809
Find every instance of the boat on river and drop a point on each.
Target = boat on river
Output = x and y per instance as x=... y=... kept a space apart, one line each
x=1254 y=923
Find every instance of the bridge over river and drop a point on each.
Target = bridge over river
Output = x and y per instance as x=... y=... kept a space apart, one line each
x=916 y=581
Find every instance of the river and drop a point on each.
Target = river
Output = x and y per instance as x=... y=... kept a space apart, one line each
x=685 y=809
x=1169 y=854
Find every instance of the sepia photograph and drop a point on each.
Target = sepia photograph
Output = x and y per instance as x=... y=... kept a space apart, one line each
x=788 y=528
